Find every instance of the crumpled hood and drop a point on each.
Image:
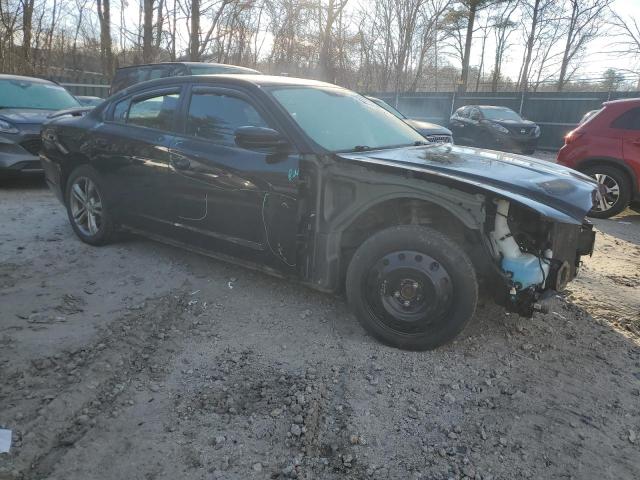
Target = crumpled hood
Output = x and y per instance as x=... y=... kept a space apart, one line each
x=553 y=190
x=428 y=128
x=24 y=115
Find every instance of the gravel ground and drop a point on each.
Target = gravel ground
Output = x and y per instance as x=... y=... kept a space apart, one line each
x=141 y=361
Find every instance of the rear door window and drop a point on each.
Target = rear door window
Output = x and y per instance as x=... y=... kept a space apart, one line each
x=157 y=111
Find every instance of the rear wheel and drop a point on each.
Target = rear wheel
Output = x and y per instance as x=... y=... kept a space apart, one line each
x=615 y=187
x=412 y=287
x=86 y=207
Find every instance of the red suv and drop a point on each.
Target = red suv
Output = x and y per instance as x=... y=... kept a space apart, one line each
x=607 y=147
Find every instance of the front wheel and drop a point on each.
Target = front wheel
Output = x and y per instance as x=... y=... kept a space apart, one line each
x=615 y=188
x=411 y=287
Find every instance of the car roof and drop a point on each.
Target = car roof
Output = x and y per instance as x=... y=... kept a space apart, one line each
x=622 y=101
x=189 y=64
x=22 y=78
x=237 y=79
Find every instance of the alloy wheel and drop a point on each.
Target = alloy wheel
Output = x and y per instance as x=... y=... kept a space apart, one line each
x=86 y=206
x=609 y=192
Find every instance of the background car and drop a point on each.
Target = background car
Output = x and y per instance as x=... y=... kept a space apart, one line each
x=607 y=148
x=127 y=76
x=431 y=131
x=25 y=103
x=499 y=128
x=88 y=101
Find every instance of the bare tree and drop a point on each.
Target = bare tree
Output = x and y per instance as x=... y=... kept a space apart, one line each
x=472 y=7
x=627 y=34
x=584 y=22
x=534 y=12
x=503 y=27
x=328 y=14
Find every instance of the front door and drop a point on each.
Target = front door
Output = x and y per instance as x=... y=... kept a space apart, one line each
x=230 y=199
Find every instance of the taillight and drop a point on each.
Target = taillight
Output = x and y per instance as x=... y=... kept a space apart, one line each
x=572 y=136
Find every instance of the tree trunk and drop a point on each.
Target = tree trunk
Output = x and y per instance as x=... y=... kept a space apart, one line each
x=566 y=54
x=27 y=25
x=106 y=54
x=159 y=24
x=524 y=76
x=194 y=40
x=147 y=32
x=467 y=47
x=326 y=66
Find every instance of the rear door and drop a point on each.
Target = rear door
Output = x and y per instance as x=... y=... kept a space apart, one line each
x=227 y=198
x=629 y=125
x=131 y=149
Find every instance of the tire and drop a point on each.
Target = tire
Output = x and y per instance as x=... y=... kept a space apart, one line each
x=102 y=230
x=411 y=287
x=610 y=176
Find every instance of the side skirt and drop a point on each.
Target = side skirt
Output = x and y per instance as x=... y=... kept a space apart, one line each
x=221 y=256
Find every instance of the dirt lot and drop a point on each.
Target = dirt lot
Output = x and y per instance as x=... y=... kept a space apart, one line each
x=140 y=361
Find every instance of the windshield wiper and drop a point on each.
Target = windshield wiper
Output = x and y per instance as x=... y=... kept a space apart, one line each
x=361 y=148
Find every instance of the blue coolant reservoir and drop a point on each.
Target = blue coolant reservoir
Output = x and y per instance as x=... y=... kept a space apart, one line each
x=526 y=270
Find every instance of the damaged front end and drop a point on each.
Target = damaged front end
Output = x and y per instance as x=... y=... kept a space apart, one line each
x=535 y=256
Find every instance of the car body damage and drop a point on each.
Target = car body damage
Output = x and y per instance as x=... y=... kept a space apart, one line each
x=520 y=220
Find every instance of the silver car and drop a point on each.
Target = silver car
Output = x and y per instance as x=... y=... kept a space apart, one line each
x=25 y=103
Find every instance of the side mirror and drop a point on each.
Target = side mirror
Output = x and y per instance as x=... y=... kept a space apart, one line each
x=257 y=138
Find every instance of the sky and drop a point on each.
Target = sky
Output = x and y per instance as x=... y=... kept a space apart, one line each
x=599 y=59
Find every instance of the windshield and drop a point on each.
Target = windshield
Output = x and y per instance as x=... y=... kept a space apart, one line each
x=341 y=120
x=500 y=114
x=35 y=95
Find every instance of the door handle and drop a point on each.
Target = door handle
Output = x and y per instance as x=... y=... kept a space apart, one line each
x=181 y=163
x=636 y=141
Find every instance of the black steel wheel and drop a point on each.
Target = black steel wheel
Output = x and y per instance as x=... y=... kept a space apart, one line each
x=86 y=207
x=411 y=287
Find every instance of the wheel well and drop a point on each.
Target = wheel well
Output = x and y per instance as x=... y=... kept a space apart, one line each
x=403 y=211
x=66 y=168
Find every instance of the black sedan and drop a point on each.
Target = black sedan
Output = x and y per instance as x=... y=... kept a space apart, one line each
x=499 y=128
x=25 y=103
x=431 y=131
x=313 y=182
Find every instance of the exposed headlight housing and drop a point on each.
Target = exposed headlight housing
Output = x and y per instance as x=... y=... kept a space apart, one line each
x=499 y=128
x=6 y=127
